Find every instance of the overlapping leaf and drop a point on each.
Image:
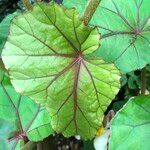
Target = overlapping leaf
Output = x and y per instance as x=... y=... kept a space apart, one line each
x=47 y=58
x=125 y=29
x=21 y=117
x=130 y=129
x=4 y=30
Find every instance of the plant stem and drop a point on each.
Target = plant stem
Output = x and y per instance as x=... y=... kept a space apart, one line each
x=89 y=10
x=143 y=81
x=27 y=4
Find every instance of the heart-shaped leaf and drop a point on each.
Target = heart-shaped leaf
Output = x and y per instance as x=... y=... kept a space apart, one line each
x=125 y=29
x=21 y=117
x=130 y=129
x=47 y=58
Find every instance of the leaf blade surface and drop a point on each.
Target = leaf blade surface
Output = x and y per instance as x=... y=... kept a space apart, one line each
x=56 y=70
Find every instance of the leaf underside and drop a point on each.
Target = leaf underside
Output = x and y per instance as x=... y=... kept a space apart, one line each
x=125 y=31
x=130 y=129
x=22 y=118
x=47 y=58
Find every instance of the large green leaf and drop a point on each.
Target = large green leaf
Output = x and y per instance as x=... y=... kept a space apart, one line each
x=20 y=116
x=125 y=29
x=130 y=129
x=47 y=58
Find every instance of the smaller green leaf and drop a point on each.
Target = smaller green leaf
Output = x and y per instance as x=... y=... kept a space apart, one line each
x=27 y=119
x=125 y=31
x=130 y=129
x=4 y=29
x=38 y=130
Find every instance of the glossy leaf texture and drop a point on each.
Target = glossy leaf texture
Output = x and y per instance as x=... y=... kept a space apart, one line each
x=130 y=129
x=125 y=31
x=20 y=117
x=47 y=55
